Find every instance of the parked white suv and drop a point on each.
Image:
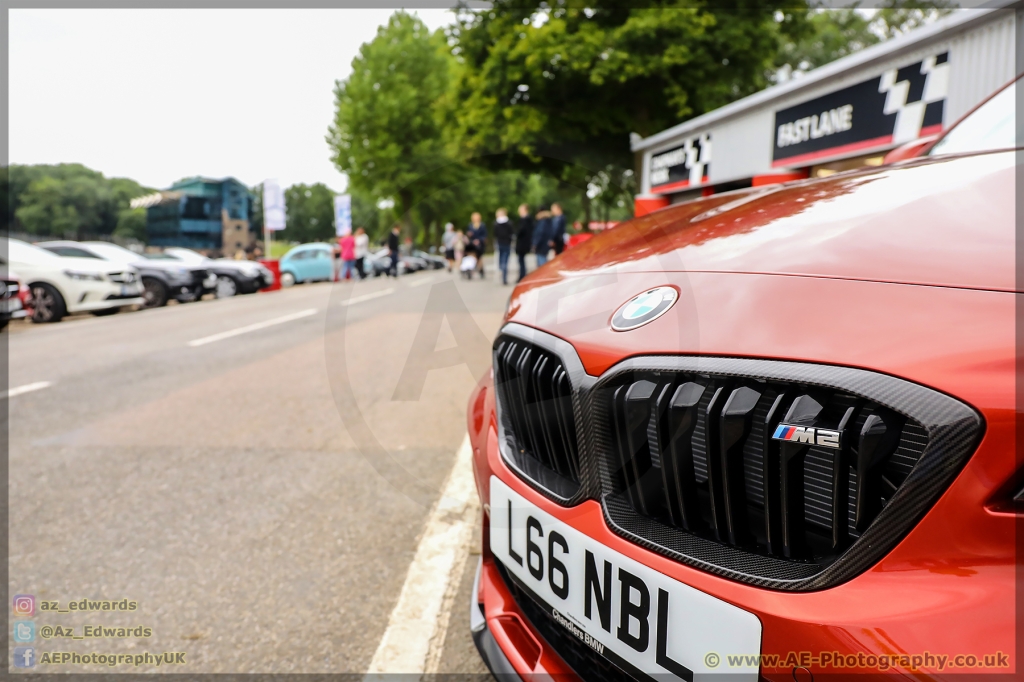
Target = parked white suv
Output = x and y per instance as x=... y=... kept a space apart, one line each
x=70 y=285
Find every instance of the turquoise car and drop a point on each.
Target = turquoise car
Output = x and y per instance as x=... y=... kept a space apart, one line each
x=307 y=263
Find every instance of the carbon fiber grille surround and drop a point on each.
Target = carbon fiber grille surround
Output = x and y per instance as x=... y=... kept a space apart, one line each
x=937 y=434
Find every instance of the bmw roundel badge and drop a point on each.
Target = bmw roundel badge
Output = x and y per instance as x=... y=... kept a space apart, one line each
x=644 y=308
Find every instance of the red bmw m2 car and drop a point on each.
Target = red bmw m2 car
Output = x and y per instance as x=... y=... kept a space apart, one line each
x=764 y=435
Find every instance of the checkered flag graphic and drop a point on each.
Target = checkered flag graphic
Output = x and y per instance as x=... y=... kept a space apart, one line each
x=916 y=95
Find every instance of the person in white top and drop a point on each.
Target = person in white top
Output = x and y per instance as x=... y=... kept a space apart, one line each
x=362 y=251
x=448 y=240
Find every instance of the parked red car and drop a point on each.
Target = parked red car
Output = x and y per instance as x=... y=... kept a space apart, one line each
x=767 y=433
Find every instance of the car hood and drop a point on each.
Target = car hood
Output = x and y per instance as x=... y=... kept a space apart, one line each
x=940 y=222
x=62 y=263
x=165 y=266
x=246 y=266
x=816 y=272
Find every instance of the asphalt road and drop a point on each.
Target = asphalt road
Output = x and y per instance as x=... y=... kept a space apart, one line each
x=260 y=496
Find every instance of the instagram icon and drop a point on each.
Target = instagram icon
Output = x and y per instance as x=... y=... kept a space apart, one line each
x=24 y=605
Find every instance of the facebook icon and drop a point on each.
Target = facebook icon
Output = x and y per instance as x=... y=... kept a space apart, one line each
x=24 y=657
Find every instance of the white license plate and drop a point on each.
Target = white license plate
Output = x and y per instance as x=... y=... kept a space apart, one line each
x=131 y=289
x=639 y=619
x=10 y=305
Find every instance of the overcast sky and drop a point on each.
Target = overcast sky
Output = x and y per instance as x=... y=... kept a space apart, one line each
x=157 y=95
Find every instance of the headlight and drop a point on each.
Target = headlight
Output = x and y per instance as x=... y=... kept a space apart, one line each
x=76 y=274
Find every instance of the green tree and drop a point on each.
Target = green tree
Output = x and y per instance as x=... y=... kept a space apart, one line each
x=256 y=210
x=131 y=224
x=561 y=88
x=834 y=33
x=71 y=208
x=368 y=215
x=310 y=213
x=66 y=200
x=896 y=17
x=385 y=134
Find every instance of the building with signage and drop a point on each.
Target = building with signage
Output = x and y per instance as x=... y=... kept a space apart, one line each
x=842 y=115
x=200 y=213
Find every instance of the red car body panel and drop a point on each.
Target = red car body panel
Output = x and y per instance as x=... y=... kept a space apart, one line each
x=930 y=222
x=906 y=271
x=911 y=150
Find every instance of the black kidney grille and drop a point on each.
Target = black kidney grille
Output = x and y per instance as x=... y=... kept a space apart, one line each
x=680 y=452
x=697 y=453
x=535 y=400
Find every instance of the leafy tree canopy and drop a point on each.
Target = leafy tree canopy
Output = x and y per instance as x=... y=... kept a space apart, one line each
x=310 y=213
x=131 y=224
x=385 y=134
x=549 y=84
x=66 y=200
x=835 y=33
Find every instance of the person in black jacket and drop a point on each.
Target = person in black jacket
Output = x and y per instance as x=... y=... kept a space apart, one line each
x=393 y=250
x=524 y=238
x=542 y=235
x=476 y=232
x=503 y=238
x=557 y=229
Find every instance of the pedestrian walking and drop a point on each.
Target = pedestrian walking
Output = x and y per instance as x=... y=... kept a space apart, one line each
x=542 y=235
x=476 y=232
x=557 y=229
x=362 y=251
x=348 y=255
x=448 y=240
x=393 y=242
x=459 y=246
x=524 y=238
x=503 y=240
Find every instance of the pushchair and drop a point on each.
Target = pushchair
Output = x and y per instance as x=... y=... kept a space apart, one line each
x=468 y=265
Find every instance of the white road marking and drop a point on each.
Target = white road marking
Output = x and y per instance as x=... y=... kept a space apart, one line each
x=367 y=297
x=416 y=629
x=251 y=328
x=27 y=388
x=421 y=282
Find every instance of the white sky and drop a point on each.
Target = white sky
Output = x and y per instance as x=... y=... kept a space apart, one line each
x=160 y=94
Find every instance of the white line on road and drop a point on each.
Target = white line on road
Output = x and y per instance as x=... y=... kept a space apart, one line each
x=421 y=282
x=27 y=388
x=251 y=328
x=367 y=297
x=416 y=629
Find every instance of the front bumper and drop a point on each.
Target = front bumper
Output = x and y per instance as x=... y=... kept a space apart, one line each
x=496 y=660
x=12 y=309
x=507 y=641
x=13 y=315
x=944 y=591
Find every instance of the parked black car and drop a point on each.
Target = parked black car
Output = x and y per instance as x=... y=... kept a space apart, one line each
x=161 y=280
x=381 y=261
x=435 y=262
x=233 y=276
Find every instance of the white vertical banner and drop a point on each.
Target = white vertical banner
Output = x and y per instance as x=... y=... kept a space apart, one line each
x=343 y=214
x=273 y=206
